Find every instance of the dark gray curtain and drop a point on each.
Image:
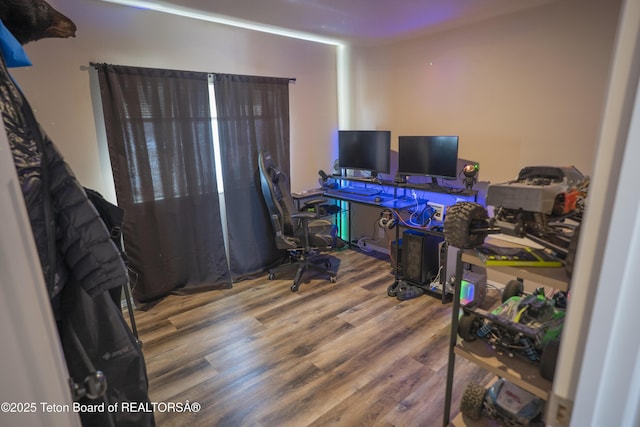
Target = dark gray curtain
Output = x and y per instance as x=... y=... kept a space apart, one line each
x=158 y=127
x=253 y=116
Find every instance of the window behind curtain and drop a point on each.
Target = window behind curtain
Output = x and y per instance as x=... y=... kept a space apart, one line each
x=160 y=143
x=253 y=116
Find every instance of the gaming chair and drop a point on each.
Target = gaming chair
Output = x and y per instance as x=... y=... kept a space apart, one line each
x=300 y=233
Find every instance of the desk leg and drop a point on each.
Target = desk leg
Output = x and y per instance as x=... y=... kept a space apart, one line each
x=349 y=222
x=396 y=250
x=442 y=274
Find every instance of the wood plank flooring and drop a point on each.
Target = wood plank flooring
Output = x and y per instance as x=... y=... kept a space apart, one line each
x=340 y=354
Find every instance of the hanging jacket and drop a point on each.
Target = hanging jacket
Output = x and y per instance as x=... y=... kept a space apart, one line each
x=84 y=247
x=80 y=263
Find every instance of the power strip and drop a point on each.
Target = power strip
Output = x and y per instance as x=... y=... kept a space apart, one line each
x=439 y=208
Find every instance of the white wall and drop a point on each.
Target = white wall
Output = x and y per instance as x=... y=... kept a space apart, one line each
x=58 y=85
x=523 y=89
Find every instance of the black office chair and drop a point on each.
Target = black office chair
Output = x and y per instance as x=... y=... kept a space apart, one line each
x=301 y=233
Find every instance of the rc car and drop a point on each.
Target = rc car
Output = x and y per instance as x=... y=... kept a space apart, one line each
x=503 y=402
x=544 y=203
x=528 y=326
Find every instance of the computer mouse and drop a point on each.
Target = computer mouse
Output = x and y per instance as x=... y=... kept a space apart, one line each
x=378 y=199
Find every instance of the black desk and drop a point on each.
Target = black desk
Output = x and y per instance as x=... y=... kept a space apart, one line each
x=399 y=203
x=397 y=187
x=387 y=200
x=396 y=197
x=308 y=194
x=397 y=206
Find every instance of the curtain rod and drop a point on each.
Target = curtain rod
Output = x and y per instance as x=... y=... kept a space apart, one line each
x=96 y=64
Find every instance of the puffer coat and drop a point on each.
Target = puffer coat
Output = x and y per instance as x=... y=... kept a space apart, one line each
x=80 y=264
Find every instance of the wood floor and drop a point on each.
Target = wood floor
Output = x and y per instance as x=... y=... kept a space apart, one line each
x=341 y=354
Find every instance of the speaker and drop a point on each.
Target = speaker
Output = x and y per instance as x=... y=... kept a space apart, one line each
x=420 y=256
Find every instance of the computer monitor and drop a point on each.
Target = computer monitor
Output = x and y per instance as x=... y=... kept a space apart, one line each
x=367 y=150
x=434 y=156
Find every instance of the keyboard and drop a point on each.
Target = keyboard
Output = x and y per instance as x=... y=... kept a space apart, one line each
x=359 y=191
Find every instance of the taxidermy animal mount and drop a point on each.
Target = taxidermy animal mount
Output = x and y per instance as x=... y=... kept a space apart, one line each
x=32 y=20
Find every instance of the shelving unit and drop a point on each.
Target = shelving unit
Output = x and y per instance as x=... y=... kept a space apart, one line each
x=518 y=371
x=461 y=421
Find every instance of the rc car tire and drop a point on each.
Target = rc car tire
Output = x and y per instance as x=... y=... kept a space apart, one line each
x=472 y=401
x=466 y=327
x=513 y=288
x=548 y=359
x=458 y=225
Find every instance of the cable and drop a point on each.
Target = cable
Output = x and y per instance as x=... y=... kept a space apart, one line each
x=435 y=282
x=408 y=223
x=362 y=245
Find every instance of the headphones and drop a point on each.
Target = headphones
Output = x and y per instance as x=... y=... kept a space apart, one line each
x=386 y=220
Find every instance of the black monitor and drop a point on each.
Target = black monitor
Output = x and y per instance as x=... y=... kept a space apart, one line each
x=434 y=156
x=368 y=150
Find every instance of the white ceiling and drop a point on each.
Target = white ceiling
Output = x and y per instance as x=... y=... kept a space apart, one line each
x=359 y=21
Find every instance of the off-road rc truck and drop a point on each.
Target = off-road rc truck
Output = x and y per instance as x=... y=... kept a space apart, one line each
x=528 y=326
x=537 y=205
x=503 y=402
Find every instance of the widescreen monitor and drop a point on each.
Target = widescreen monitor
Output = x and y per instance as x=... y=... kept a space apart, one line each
x=368 y=150
x=434 y=156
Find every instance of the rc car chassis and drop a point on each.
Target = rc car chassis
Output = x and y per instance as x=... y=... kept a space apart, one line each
x=537 y=205
x=528 y=326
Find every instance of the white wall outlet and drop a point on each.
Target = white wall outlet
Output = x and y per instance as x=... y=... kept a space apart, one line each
x=439 y=215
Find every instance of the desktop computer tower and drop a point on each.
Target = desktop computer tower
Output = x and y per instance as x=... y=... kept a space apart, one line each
x=420 y=256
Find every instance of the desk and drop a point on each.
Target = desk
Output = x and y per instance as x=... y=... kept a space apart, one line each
x=396 y=206
x=387 y=200
x=307 y=194
x=396 y=197
x=392 y=195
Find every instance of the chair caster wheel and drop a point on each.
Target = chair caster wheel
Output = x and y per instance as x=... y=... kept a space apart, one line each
x=272 y=276
x=333 y=279
x=294 y=288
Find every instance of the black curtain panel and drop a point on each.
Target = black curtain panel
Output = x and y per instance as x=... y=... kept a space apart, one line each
x=253 y=116
x=158 y=126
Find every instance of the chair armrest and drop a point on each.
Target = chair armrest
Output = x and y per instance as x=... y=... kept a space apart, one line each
x=313 y=202
x=314 y=205
x=304 y=215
